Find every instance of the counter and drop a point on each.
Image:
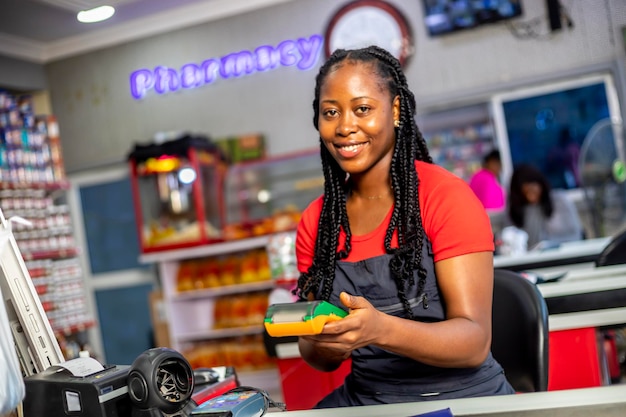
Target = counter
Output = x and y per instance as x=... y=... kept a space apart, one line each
x=569 y=253
x=607 y=401
x=583 y=306
x=582 y=303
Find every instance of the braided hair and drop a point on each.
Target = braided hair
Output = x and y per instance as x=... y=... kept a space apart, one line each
x=405 y=219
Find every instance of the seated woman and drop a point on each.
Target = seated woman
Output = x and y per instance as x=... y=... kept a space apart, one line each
x=545 y=215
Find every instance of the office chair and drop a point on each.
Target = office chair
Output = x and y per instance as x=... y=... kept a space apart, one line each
x=520 y=331
x=615 y=252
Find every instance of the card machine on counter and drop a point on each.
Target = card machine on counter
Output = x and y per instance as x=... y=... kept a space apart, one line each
x=245 y=403
x=301 y=318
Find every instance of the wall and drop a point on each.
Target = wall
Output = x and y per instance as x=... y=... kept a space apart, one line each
x=100 y=121
x=19 y=75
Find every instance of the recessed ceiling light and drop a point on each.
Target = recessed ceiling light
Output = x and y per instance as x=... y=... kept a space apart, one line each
x=97 y=14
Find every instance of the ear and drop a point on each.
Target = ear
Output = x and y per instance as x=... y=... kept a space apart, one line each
x=396 y=108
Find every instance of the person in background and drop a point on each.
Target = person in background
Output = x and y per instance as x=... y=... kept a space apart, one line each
x=562 y=162
x=546 y=215
x=400 y=243
x=486 y=182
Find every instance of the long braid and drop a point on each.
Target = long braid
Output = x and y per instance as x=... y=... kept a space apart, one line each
x=333 y=214
x=405 y=220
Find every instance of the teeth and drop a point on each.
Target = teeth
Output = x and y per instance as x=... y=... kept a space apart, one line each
x=351 y=148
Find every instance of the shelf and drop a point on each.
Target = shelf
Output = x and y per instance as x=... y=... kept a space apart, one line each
x=48 y=186
x=74 y=328
x=214 y=249
x=220 y=333
x=50 y=254
x=224 y=290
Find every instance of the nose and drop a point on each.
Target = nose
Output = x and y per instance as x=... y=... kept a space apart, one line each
x=345 y=125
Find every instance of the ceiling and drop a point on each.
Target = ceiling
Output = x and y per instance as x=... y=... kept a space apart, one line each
x=44 y=30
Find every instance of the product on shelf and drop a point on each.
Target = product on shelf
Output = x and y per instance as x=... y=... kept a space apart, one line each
x=264 y=272
x=30 y=150
x=242 y=148
x=214 y=272
x=229 y=273
x=243 y=353
x=281 y=252
x=210 y=272
x=240 y=310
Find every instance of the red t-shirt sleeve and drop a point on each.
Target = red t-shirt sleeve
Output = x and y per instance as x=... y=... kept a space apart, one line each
x=454 y=219
x=306 y=234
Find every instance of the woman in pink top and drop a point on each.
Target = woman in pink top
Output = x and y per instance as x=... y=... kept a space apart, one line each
x=486 y=184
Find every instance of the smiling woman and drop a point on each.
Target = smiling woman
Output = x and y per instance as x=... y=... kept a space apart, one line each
x=401 y=244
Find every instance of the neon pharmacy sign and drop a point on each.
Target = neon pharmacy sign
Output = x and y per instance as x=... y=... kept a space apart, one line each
x=303 y=53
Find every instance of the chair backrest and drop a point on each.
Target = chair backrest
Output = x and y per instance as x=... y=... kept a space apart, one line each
x=520 y=331
x=615 y=252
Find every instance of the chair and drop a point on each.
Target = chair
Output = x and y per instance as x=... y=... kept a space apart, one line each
x=615 y=252
x=520 y=331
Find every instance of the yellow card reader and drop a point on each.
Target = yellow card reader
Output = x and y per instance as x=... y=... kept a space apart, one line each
x=300 y=318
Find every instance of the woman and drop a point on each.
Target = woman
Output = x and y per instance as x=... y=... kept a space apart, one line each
x=486 y=182
x=402 y=244
x=545 y=215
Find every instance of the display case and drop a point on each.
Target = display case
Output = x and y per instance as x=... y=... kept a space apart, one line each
x=177 y=193
x=268 y=196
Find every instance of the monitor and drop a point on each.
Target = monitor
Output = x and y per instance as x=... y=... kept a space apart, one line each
x=35 y=342
x=448 y=16
x=540 y=124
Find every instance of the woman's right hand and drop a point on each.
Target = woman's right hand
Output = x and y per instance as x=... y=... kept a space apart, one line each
x=326 y=351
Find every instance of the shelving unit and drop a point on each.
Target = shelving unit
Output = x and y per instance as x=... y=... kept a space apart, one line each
x=223 y=248
x=262 y=199
x=459 y=138
x=33 y=187
x=191 y=313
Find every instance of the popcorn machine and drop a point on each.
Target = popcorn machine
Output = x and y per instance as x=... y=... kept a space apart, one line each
x=177 y=193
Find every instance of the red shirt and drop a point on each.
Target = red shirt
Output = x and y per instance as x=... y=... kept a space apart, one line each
x=454 y=220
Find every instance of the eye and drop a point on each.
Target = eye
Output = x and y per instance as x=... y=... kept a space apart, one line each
x=362 y=110
x=330 y=113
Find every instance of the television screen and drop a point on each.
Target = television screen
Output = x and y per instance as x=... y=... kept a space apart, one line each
x=446 y=16
x=546 y=126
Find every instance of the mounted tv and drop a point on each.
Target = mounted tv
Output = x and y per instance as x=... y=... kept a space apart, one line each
x=545 y=124
x=447 y=16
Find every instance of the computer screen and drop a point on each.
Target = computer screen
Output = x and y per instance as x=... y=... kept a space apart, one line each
x=36 y=344
x=545 y=125
x=448 y=16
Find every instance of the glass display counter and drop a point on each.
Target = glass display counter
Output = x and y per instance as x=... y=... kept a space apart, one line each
x=268 y=196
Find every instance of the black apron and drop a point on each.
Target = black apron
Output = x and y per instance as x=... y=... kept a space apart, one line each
x=382 y=377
